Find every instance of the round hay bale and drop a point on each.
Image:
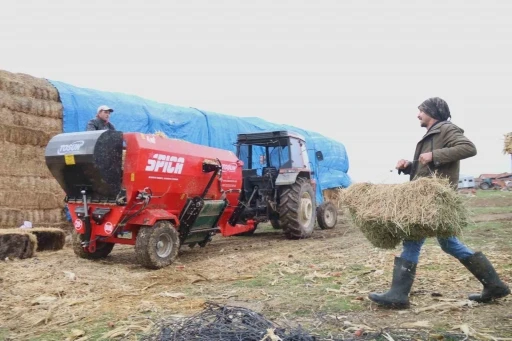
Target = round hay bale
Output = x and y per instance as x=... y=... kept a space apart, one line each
x=30 y=183
x=50 y=125
x=24 y=136
x=28 y=199
x=387 y=214
x=30 y=105
x=12 y=217
x=25 y=85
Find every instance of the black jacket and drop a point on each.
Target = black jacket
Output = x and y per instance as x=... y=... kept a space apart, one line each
x=97 y=124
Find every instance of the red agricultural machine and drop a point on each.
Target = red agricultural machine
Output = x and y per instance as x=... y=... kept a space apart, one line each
x=159 y=194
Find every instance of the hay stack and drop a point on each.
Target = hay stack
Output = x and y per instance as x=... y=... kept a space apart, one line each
x=388 y=214
x=507 y=148
x=30 y=114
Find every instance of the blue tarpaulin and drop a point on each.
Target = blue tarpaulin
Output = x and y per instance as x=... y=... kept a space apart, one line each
x=136 y=114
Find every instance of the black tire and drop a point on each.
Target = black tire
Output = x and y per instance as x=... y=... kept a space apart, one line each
x=484 y=185
x=102 y=249
x=157 y=246
x=275 y=224
x=297 y=209
x=327 y=215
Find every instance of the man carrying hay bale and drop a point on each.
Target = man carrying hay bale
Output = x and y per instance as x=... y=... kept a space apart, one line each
x=439 y=152
x=101 y=122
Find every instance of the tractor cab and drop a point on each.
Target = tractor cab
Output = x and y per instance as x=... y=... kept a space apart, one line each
x=275 y=152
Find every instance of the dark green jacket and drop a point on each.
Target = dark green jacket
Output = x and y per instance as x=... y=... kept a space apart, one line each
x=449 y=146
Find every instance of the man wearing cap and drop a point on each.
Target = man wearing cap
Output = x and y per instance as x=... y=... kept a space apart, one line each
x=439 y=151
x=101 y=122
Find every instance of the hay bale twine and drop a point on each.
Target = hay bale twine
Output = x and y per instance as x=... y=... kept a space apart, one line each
x=387 y=214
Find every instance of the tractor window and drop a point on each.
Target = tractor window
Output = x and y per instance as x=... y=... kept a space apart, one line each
x=297 y=153
x=280 y=157
x=244 y=156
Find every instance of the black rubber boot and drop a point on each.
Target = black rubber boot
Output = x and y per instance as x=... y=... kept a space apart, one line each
x=403 y=277
x=483 y=270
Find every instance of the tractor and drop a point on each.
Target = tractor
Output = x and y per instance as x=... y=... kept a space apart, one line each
x=279 y=186
x=160 y=194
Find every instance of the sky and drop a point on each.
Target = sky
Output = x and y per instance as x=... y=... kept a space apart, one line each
x=354 y=71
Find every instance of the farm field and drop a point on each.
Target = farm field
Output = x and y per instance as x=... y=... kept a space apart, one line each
x=319 y=283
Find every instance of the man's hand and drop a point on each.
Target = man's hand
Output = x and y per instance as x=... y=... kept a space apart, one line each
x=402 y=164
x=425 y=158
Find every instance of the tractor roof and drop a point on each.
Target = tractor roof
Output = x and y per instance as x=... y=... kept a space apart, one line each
x=267 y=137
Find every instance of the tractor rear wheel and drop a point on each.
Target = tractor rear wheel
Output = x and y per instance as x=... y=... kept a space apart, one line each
x=102 y=249
x=297 y=209
x=157 y=246
x=327 y=215
x=484 y=185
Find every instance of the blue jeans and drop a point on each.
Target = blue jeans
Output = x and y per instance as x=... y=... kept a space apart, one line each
x=451 y=245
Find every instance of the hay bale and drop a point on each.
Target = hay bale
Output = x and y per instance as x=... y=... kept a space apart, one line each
x=30 y=183
x=10 y=217
x=388 y=214
x=21 y=160
x=49 y=125
x=25 y=85
x=331 y=194
x=28 y=199
x=24 y=136
x=507 y=146
x=30 y=105
x=17 y=244
x=48 y=239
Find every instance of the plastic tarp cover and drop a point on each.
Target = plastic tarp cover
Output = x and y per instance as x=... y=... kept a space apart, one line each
x=136 y=114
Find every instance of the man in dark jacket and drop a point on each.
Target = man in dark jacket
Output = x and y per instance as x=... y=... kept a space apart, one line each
x=439 y=151
x=101 y=122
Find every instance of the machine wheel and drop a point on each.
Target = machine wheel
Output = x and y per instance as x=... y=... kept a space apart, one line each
x=297 y=209
x=484 y=185
x=327 y=215
x=102 y=249
x=157 y=246
x=275 y=224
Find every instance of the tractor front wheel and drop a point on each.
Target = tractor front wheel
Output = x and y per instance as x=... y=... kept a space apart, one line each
x=327 y=215
x=297 y=209
x=157 y=246
x=275 y=224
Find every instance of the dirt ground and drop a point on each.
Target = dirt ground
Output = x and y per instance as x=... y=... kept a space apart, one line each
x=319 y=283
